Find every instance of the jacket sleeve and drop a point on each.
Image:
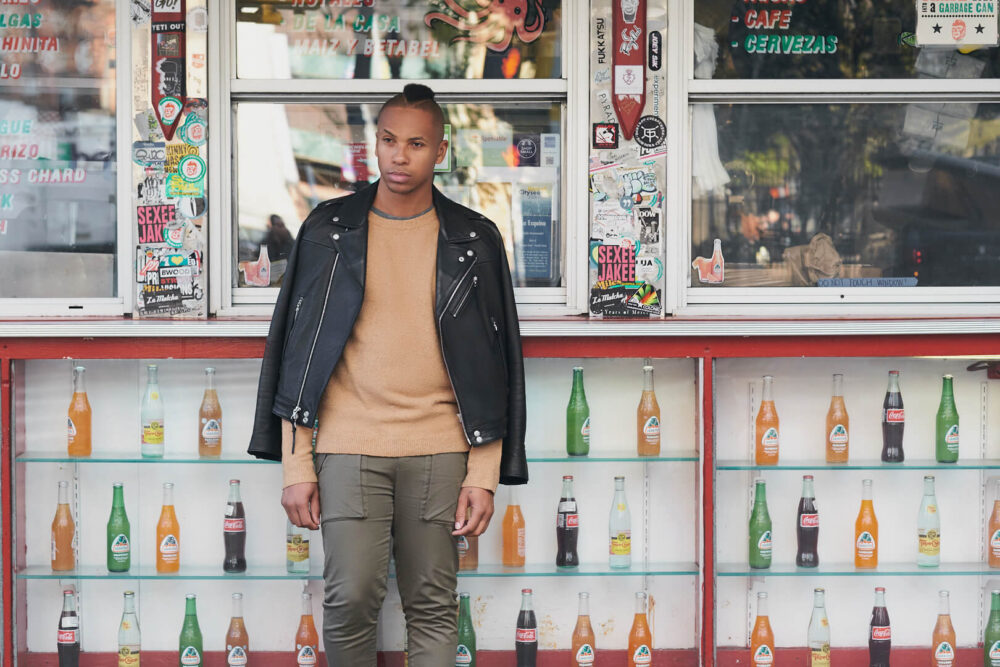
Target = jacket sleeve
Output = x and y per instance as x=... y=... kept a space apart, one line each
x=513 y=462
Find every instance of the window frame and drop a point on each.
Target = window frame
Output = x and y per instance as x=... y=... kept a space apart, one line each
x=571 y=91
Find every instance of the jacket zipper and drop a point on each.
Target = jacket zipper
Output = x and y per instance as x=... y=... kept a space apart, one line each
x=444 y=357
x=305 y=374
x=465 y=297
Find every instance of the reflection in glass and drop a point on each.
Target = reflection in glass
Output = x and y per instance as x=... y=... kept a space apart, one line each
x=399 y=39
x=503 y=161
x=832 y=195
x=57 y=151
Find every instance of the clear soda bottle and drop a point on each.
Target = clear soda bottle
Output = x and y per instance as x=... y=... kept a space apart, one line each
x=296 y=549
x=578 y=418
x=620 y=528
x=946 y=425
x=929 y=527
x=819 y=631
x=129 y=637
x=153 y=428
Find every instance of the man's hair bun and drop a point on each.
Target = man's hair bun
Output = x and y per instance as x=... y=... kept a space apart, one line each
x=417 y=92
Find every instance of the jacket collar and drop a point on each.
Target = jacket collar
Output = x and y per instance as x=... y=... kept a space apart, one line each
x=451 y=216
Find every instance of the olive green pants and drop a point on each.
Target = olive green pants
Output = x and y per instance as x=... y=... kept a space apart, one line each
x=365 y=501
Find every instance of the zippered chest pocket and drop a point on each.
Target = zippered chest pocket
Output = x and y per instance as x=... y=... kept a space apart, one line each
x=462 y=297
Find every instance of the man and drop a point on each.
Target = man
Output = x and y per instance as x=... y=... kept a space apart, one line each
x=395 y=348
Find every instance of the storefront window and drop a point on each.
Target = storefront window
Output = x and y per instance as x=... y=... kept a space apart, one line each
x=885 y=195
x=398 y=39
x=58 y=151
x=503 y=161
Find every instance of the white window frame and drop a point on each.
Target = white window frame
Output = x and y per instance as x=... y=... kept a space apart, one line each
x=226 y=300
x=764 y=302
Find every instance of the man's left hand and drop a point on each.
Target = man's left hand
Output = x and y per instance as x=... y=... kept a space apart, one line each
x=480 y=501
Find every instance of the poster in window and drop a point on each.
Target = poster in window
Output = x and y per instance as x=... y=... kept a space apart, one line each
x=536 y=241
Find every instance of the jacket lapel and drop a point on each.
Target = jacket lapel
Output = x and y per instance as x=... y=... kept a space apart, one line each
x=452 y=260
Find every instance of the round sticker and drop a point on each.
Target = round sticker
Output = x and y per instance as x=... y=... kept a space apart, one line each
x=193 y=131
x=170 y=109
x=650 y=132
x=191 y=168
x=174 y=236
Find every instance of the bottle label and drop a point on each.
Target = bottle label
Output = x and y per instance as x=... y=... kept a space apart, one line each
x=881 y=633
x=866 y=545
x=152 y=433
x=120 y=548
x=944 y=655
x=69 y=622
x=71 y=428
x=894 y=416
x=764 y=544
x=520 y=542
x=584 y=656
x=564 y=520
x=930 y=542
x=526 y=635
x=128 y=657
x=567 y=506
x=995 y=543
x=211 y=432
x=190 y=656
x=463 y=656
x=66 y=636
x=995 y=654
x=809 y=520
x=951 y=438
x=234 y=525
x=297 y=549
x=764 y=655
x=621 y=544
x=642 y=655
x=307 y=656
x=838 y=438
x=585 y=431
x=169 y=548
x=463 y=546
x=820 y=657
x=651 y=429
x=237 y=656
x=769 y=441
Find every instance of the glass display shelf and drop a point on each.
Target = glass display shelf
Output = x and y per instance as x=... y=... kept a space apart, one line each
x=863 y=464
x=848 y=570
x=278 y=572
x=552 y=456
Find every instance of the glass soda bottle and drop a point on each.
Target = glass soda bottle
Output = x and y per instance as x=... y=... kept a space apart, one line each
x=465 y=653
x=513 y=532
x=306 y=639
x=893 y=420
x=761 y=638
x=648 y=417
x=129 y=637
x=640 y=640
x=237 y=639
x=766 y=430
x=620 y=528
x=880 y=633
x=63 y=532
x=296 y=548
x=991 y=638
x=567 y=526
x=468 y=549
x=760 y=529
x=234 y=531
x=584 y=647
x=718 y=271
x=152 y=415
x=946 y=429
x=838 y=424
x=866 y=531
x=210 y=419
x=190 y=639
x=819 y=632
x=119 y=535
x=929 y=527
x=68 y=636
x=526 y=637
x=578 y=417
x=943 y=641
x=168 y=535
x=993 y=536
x=807 y=530
x=78 y=417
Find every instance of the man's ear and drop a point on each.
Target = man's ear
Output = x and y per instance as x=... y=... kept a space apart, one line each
x=442 y=150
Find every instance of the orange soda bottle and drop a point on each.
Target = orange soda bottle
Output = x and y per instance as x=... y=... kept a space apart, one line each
x=168 y=534
x=943 y=641
x=640 y=640
x=766 y=432
x=584 y=649
x=761 y=639
x=838 y=424
x=210 y=419
x=513 y=532
x=63 y=530
x=306 y=639
x=648 y=417
x=78 y=417
x=866 y=531
x=993 y=536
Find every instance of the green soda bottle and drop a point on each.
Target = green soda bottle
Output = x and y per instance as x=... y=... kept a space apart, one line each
x=946 y=436
x=578 y=418
x=991 y=641
x=760 y=529
x=465 y=654
x=119 y=535
x=190 y=642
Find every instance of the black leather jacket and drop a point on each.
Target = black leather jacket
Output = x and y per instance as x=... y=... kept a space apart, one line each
x=321 y=297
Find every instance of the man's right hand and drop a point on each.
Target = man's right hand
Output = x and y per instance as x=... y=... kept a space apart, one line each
x=301 y=503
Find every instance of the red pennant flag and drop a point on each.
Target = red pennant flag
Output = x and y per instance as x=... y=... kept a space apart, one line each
x=628 y=85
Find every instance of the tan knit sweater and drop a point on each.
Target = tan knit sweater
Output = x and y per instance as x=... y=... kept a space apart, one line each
x=389 y=394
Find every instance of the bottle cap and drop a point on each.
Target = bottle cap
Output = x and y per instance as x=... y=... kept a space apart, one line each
x=210 y=369
x=116 y=484
x=584 y=594
x=879 y=589
x=237 y=596
x=807 y=477
x=929 y=477
x=947 y=377
x=819 y=590
x=893 y=372
x=577 y=368
x=525 y=590
x=190 y=596
x=568 y=478
x=234 y=481
x=463 y=595
x=647 y=368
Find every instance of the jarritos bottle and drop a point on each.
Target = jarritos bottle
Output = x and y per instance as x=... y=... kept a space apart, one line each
x=838 y=424
x=234 y=531
x=759 y=530
x=567 y=526
x=119 y=533
x=153 y=428
x=237 y=639
x=943 y=640
x=879 y=632
x=819 y=632
x=766 y=429
x=63 y=531
x=526 y=636
x=129 y=637
x=807 y=528
x=578 y=418
x=210 y=419
x=584 y=647
x=68 y=636
x=513 y=532
x=640 y=640
x=866 y=531
x=993 y=536
x=893 y=421
x=78 y=418
x=761 y=638
x=468 y=549
x=190 y=639
x=946 y=425
x=465 y=653
x=648 y=417
x=306 y=639
x=168 y=534
x=991 y=636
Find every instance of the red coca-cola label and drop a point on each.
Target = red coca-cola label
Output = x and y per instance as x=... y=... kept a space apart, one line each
x=809 y=520
x=881 y=633
x=66 y=637
x=894 y=415
x=527 y=635
x=234 y=525
x=572 y=520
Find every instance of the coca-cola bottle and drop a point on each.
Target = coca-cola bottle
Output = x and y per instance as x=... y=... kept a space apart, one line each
x=879 y=635
x=234 y=531
x=526 y=640
x=807 y=531
x=893 y=419
x=68 y=637
x=567 y=526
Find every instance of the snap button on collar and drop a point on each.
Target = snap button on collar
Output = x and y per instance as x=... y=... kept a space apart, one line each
x=472 y=234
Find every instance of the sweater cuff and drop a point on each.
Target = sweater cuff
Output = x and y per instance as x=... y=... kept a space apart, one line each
x=483 y=470
x=296 y=467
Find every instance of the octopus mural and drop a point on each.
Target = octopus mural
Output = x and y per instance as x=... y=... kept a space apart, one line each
x=494 y=22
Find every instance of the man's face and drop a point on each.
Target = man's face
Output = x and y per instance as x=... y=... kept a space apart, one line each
x=408 y=144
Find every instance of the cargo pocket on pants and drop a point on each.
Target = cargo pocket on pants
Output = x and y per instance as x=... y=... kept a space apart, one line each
x=341 y=492
x=445 y=475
